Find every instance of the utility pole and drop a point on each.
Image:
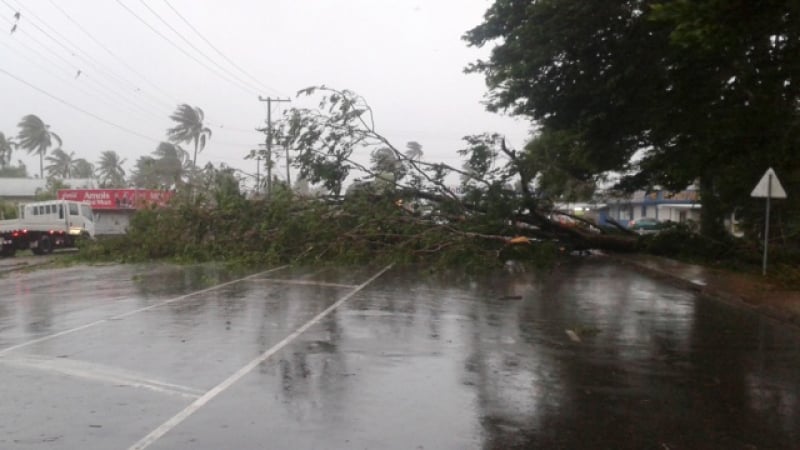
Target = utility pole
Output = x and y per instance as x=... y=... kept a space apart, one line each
x=258 y=173
x=269 y=101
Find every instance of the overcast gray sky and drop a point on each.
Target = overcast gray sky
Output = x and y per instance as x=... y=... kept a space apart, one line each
x=406 y=57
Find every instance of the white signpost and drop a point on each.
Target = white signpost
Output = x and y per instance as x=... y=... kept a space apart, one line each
x=769 y=187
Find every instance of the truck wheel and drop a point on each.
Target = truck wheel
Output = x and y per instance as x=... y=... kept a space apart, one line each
x=8 y=251
x=45 y=246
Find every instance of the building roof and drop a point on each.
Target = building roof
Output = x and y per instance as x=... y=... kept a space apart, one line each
x=27 y=187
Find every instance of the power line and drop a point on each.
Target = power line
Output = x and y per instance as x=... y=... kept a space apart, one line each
x=203 y=54
x=114 y=55
x=75 y=69
x=219 y=52
x=161 y=102
x=133 y=70
x=77 y=108
x=71 y=68
x=45 y=69
x=189 y=55
x=105 y=92
x=75 y=51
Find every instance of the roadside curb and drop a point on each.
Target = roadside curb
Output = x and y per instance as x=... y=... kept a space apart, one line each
x=782 y=315
x=23 y=266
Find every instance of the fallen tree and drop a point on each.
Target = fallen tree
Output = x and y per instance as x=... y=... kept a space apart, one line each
x=399 y=207
x=497 y=186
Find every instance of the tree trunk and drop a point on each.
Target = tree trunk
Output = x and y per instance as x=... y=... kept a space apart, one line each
x=712 y=213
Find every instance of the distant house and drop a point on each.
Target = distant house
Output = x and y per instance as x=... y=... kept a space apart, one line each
x=18 y=190
x=658 y=204
x=587 y=210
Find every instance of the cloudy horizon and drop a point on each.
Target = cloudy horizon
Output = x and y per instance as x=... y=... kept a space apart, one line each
x=406 y=58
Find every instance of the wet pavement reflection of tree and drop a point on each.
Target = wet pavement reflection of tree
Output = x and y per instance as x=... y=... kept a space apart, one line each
x=655 y=368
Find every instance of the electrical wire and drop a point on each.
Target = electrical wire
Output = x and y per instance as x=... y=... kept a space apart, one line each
x=180 y=49
x=75 y=51
x=194 y=47
x=104 y=94
x=219 y=52
x=122 y=61
x=78 y=108
x=75 y=69
x=72 y=69
x=105 y=100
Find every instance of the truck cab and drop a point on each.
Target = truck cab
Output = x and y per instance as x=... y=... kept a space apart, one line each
x=73 y=218
x=45 y=226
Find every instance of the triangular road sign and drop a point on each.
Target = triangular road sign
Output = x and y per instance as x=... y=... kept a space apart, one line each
x=763 y=188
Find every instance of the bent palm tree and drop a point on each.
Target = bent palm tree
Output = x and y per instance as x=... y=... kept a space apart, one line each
x=189 y=129
x=82 y=168
x=61 y=164
x=413 y=150
x=110 y=170
x=7 y=146
x=36 y=138
x=171 y=163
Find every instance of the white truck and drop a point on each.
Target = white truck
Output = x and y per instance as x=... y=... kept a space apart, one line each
x=45 y=226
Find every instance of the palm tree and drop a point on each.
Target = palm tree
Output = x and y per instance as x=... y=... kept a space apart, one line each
x=414 y=153
x=82 y=168
x=110 y=170
x=144 y=173
x=7 y=146
x=61 y=164
x=171 y=162
x=189 y=129
x=413 y=150
x=36 y=138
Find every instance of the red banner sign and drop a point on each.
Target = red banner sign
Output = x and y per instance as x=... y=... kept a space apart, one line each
x=101 y=199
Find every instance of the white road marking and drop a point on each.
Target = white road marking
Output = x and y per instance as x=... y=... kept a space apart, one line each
x=136 y=311
x=98 y=372
x=307 y=283
x=231 y=380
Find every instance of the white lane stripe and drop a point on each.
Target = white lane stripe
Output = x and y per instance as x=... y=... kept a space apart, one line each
x=307 y=283
x=136 y=311
x=97 y=372
x=218 y=389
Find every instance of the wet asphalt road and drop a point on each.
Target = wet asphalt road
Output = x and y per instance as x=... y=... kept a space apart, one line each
x=591 y=355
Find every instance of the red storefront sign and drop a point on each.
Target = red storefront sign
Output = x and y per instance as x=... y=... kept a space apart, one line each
x=101 y=199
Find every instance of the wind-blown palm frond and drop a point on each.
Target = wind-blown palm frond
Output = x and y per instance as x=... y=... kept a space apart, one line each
x=7 y=146
x=81 y=168
x=61 y=164
x=110 y=171
x=36 y=138
x=171 y=162
x=189 y=129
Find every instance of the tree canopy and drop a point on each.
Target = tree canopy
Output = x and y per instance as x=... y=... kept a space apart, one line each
x=189 y=128
x=36 y=138
x=705 y=90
